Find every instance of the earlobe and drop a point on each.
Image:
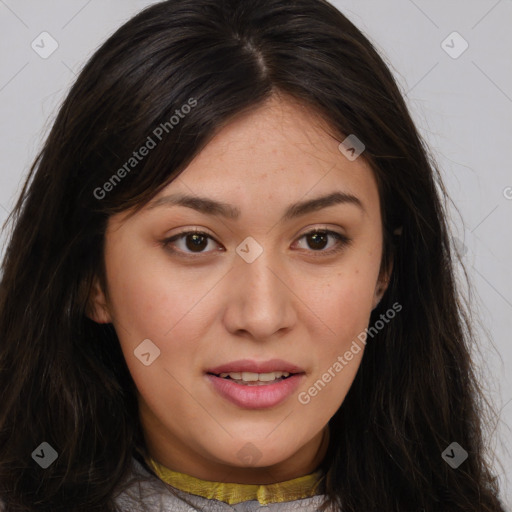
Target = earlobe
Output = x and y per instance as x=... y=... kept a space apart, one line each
x=380 y=290
x=97 y=309
x=382 y=286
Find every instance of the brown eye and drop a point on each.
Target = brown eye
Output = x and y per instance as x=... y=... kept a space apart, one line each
x=194 y=242
x=318 y=240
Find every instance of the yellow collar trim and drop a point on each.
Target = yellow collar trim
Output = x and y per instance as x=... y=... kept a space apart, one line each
x=233 y=493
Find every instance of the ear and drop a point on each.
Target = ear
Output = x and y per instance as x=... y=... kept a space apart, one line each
x=97 y=308
x=382 y=285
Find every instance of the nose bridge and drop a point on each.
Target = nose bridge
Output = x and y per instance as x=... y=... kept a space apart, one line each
x=259 y=278
x=255 y=264
x=261 y=303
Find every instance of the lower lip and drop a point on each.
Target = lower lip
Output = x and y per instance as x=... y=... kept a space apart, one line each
x=256 y=397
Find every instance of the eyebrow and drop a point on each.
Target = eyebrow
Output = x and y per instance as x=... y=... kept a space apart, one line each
x=211 y=207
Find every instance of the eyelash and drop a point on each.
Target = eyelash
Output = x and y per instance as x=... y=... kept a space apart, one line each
x=342 y=242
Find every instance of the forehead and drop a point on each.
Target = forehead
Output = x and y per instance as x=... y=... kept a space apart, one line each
x=281 y=149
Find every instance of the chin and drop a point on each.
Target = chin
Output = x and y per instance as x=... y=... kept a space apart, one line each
x=257 y=454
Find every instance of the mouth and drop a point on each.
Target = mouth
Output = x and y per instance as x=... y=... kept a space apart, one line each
x=252 y=385
x=254 y=379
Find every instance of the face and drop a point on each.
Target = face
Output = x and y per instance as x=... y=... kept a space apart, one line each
x=274 y=285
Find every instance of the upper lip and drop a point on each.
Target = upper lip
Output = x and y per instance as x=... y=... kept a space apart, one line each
x=249 y=365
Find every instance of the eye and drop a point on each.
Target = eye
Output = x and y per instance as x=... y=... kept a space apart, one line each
x=195 y=241
x=318 y=239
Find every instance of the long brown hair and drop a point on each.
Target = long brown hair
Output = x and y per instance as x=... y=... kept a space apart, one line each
x=63 y=378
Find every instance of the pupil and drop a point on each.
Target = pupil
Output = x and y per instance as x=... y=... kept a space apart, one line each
x=315 y=237
x=198 y=242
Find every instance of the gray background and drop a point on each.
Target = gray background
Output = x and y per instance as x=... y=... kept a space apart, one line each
x=462 y=106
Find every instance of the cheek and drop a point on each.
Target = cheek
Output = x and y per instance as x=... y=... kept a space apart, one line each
x=151 y=299
x=344 y=302
x=148 y=303
x=344 y=306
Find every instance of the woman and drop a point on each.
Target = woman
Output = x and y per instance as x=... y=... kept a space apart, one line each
x=229 y=282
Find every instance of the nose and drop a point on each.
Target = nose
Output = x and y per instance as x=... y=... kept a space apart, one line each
x=260 y=299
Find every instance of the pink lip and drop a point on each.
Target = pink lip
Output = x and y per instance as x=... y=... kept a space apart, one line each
x=248 y=365
x=256 y=397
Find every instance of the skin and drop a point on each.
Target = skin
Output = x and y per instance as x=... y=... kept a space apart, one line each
x=294 y=302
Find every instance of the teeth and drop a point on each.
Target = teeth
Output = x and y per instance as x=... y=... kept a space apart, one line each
x=267 y=377
x=253 y=377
